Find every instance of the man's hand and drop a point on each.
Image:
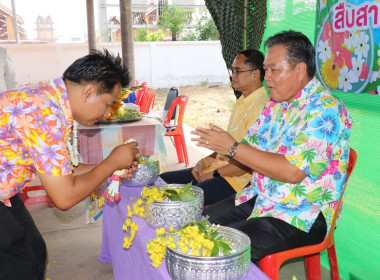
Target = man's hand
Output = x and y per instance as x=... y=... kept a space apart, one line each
x=214 y=138
x=208 y=175
x=129 y=171
x=198 y=170
x=125 y=157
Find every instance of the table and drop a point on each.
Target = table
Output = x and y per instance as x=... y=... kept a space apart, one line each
x=134 y=263
x=96 y=142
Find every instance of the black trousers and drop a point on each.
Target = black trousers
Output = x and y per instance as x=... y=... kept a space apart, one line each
x=22 y=248
x=268 y=235
x=215 y=189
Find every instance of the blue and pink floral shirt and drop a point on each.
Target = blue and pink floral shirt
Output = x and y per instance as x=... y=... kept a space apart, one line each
x=312 y=132
x=33 y=134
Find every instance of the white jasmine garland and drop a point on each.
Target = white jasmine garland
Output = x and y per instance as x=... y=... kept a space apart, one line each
x=112 y=191
x=72 y=148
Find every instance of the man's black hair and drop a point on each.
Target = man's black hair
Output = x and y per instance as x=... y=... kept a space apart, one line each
x=255 y=59
x=101 y=68
x=298 y=46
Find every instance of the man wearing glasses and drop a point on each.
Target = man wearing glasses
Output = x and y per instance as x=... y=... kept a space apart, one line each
x=216 y=174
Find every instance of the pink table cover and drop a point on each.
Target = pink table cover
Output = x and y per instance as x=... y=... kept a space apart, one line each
x=93 y=140
x=97 y=141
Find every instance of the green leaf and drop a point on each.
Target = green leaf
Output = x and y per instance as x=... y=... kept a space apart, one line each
x=301 y=138
x=172 y=195
x=309 y=155
x=187 y=187
x=215 y=250
x=317 y=168
x=297 y=222
x=186 y=193
x=226 y=248
x=296 y=121
x=169 y=191
x=327 y=195
x=308 y=116
x=186 y=196
x=314 y=195
x=202 y=226
x=299 y=190
x=254 y=139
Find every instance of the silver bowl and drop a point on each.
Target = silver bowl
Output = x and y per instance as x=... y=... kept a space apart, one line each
x=234 y=266
x=146 y=173
x=175 y=213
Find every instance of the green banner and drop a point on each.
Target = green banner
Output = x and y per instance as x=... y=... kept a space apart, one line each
x=348 y=45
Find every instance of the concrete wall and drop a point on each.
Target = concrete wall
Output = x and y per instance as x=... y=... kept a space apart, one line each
x=161 y=64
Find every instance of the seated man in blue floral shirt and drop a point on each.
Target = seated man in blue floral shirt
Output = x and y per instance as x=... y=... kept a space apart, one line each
x=298 y=150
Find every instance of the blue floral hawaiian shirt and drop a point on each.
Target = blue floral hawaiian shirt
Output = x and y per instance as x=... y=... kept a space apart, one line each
x=312 y=132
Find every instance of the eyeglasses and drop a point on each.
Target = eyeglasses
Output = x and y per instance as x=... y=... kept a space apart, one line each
x=237 y=72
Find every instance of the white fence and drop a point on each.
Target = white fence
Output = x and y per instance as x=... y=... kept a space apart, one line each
x=161 y=64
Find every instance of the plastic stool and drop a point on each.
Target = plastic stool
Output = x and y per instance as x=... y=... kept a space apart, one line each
x=34 y=199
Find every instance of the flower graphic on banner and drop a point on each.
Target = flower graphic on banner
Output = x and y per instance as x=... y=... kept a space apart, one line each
x=345 y=79
x=324 y=50
x=361 y=44
x=322 y=4
x=374 y=76
x=330 y=73
x=349 y=41
x=357 y=65
x=344 y=58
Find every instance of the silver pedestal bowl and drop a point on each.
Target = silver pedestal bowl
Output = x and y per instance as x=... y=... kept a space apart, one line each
x=146 y=173
x=232 y=267
x=175 y=213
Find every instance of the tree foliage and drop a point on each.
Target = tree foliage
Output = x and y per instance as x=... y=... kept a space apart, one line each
x=156 y=36
x=206 y=29
x=174 y=19
x=141 y=34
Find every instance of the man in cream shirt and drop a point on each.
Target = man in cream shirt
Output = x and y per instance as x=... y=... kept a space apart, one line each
x=216 y=174
x=7 y=74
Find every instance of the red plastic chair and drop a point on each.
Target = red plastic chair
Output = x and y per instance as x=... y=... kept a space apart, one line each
x=141 y=94
x=34 y=199
x=271 y=264
x=176 y=131
x=148 y=102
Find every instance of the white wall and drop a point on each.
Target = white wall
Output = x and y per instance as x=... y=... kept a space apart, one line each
x=161 y=64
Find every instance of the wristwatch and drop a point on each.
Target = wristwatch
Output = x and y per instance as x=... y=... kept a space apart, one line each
x=216 y=173
x=232 y=150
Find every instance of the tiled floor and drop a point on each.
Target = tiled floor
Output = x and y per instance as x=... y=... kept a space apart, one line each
x=73 y=245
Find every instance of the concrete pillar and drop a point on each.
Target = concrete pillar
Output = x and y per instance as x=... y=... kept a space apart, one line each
x=91 y=25
x=127 y=37
x=103 y=22
x=15 y=23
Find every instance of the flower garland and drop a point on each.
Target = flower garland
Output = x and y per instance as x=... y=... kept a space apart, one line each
x=72 y=148
x=112 y=191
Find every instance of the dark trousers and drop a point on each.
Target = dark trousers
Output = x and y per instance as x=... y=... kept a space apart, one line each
x=22 y=248
x=215 y=189
x=268 y=235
